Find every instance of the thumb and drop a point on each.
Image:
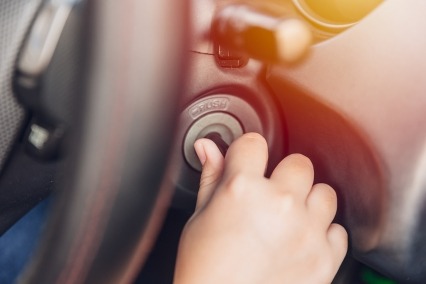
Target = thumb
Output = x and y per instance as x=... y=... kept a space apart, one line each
x=212 y=160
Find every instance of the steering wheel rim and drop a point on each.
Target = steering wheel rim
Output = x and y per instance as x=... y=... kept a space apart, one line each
x=102 y=226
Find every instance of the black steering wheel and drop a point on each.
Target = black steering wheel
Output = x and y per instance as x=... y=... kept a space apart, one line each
x=129 y=66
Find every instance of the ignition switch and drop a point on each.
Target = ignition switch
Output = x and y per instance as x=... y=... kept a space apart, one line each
x=220 y=127
x=221 y=118
x=218 y=117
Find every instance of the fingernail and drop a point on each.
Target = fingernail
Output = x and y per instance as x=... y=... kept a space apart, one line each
x=201 y=153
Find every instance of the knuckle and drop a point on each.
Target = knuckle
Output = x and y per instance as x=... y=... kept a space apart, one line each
x=210 y=173
x=342 y=234
x=236 y=184
x=328 y=193
x=254 y=137
x=208 y=179
x=300 y=161
x=338 y=241
x=288 y=201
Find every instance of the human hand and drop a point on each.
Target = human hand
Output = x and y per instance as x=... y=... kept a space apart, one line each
x=250 y=229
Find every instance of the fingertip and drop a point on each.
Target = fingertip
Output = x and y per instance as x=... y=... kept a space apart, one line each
x=322 y=203
x=200 y=151
x=338 y=238
x=254 y=136
x=247 y=154
x=212 y=160
x=295 y=173
x=301 y=161
x=208 y=151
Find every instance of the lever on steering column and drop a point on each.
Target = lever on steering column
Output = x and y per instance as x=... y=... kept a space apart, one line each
x=260 y=35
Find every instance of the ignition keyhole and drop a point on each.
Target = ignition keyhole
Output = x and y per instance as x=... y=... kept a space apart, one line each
x=220 y=127
x=218 y=140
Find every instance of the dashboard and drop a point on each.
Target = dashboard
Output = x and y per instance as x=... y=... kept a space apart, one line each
x=354 y=105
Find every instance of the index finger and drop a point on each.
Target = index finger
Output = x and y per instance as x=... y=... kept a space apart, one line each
x=247 y=155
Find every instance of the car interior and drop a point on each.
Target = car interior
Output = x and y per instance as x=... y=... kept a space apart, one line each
x=101 y=103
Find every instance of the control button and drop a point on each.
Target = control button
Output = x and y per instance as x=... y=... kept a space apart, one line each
x=226 y=58
x=261 y=35
x=223 y=124
x=43 y=141
x=38 y=136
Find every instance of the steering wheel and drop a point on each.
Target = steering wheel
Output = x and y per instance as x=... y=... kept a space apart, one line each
x=127 y=69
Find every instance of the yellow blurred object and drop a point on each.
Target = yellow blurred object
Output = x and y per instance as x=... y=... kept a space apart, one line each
x=335 y=13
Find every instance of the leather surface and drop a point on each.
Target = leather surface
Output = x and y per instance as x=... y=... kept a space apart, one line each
x=108 y=212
